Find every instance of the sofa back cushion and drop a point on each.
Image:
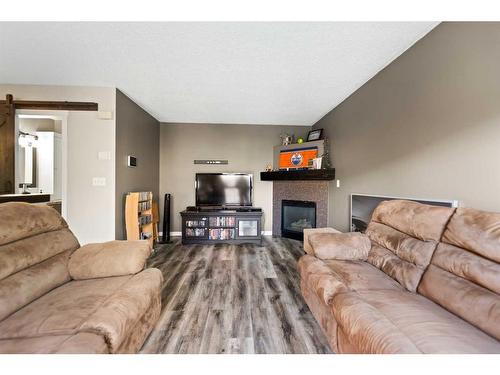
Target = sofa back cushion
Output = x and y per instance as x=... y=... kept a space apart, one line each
x=35 y=245
x=464 y=275
x=404 y=235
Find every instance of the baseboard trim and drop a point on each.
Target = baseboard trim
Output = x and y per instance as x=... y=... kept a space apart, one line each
x=179 y=234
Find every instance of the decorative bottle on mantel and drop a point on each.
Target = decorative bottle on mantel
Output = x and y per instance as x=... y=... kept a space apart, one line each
x=325 y=163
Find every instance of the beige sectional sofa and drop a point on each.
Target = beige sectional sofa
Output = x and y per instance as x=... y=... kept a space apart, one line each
x=58 y=297
x=424 y=279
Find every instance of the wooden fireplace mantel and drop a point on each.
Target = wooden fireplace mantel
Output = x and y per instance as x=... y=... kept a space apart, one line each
x=299 y=175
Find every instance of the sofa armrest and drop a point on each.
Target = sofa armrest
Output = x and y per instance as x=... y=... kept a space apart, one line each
x=340 y=246
x=114 y=258
x=308 y=232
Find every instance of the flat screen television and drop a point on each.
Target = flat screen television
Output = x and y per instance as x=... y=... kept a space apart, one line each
x=223 y=189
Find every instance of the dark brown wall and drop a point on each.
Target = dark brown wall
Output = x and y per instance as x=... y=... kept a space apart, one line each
x=427 y=126
x=137 y=134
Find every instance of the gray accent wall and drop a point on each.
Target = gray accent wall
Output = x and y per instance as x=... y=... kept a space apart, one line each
x=137 y=134
x=427 y=126
x=249 y=148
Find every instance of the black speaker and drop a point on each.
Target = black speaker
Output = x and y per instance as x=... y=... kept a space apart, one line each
x=166 y=219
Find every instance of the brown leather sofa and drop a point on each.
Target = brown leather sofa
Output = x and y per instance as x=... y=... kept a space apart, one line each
x=424 y=279
x=58 y=297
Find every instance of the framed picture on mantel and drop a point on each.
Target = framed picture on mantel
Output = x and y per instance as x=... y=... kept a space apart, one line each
x=314 y=135
x=297 y=158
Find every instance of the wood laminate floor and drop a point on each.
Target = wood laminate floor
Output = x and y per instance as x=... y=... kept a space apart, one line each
x=233 y=299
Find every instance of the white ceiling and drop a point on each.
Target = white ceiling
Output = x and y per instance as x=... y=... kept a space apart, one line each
x=249 y=73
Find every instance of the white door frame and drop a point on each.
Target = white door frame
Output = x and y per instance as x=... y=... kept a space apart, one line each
x=63 y=117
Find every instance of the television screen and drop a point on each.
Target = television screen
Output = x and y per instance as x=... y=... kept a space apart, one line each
x=223 y=189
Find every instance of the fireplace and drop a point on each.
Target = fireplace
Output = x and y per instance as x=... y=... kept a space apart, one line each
x=301 y=191
x=297 y=216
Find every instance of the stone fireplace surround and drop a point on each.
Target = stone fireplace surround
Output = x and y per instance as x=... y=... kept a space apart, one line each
x=312 y=191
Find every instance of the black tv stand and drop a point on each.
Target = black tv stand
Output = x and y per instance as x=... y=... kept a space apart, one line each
x=222 y=209
x=232 y=225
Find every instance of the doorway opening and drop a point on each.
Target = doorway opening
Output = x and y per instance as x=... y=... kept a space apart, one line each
x=40 y=155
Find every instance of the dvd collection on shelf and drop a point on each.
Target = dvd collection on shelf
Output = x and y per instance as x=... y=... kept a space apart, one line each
x=143 y=206
x=144 y=196
x=196 y=223
x=221 y=234
x=145 y=219
x=195 y=232
x=146 y=235
x=222 y=221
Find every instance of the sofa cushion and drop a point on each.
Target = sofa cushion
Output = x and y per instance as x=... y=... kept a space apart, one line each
x=466 y=299
x=79 y=343
x=342 y=246
x=404 y=236
x=62 y=310
x=21 y=254
x=364 y=329
x=117 y=317
x=395 y=321
x=405 y=247
x=406 y=273
x=464 y=276
x=322 y=313
x=114 y=258
x=27 y=285
x=35 y=245
x=318 y=277
x=331 y=277
x=359 y=275
x=475 y=231
x=421 y=221
x=22 y=220
x=143 y=327
x=110 y=307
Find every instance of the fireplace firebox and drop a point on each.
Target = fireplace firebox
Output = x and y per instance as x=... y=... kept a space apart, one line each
x=297 y=216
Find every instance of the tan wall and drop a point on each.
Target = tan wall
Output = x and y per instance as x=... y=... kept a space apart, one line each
x=31 y=125
x=249 y=148
x=137 y=134
x=427 y=126
x=90 y=209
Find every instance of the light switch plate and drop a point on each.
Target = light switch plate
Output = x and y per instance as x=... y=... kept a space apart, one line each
x=99 y=181
x=105 y=115
x=104 y=155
